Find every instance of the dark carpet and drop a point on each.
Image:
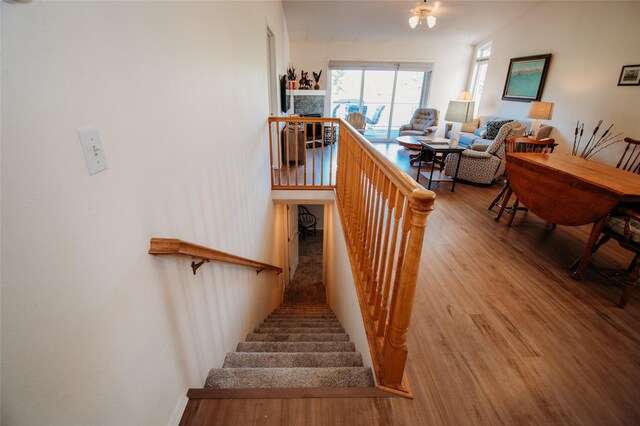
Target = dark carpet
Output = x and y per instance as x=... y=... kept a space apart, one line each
x=306 y=286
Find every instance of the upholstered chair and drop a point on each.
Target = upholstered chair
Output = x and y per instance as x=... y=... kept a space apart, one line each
x=483 y=163
x=423 y=122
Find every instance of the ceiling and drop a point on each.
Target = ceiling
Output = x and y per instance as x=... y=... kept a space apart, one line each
x=465 y=22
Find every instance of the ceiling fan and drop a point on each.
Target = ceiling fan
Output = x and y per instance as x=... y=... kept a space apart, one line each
x=422 y=13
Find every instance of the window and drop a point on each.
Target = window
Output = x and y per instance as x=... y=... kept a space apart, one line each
x=479 y=73
x=386 y=93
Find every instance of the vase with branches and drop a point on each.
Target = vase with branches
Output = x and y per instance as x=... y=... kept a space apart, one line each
x=596 y=143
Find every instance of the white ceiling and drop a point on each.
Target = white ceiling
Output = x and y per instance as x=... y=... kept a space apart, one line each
x=466 y=22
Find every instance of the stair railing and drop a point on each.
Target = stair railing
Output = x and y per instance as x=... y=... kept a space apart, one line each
x=384 y=214
x=171 y=246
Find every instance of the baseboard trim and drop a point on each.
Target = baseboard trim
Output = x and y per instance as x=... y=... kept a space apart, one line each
x=285 y=393
x=178 y=411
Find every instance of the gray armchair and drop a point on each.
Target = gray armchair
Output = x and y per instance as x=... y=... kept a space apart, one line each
x=482 y=163
x=423 y=122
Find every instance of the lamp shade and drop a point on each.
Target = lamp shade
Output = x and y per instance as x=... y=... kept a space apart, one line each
x=413 y=21
x=541 y=110
x=460 y=111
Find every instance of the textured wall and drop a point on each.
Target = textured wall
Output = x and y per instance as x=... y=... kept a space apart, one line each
x=94 y=330
x=590 y=42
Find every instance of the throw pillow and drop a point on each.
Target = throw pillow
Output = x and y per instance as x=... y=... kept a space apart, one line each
x=493 y=127
x=470 y=126
x=482 y=131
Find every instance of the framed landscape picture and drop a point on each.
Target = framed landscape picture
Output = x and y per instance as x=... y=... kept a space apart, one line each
x=629 y=76
x=525 y=78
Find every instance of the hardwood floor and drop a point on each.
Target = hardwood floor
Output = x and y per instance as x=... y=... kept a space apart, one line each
x=501 y=333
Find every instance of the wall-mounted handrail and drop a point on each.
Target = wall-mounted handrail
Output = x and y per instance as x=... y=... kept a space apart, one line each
x=172 y=246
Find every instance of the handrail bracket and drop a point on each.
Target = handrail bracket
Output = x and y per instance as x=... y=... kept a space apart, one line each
x=195 y=266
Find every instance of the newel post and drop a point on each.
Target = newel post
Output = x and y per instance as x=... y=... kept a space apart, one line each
x=394 y=351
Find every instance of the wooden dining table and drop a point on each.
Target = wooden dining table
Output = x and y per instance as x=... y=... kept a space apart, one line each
x=567 y=190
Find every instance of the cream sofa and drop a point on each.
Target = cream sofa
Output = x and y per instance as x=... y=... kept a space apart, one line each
x=468 y=137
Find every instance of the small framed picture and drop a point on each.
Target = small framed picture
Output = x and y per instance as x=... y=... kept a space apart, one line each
x=629 y=76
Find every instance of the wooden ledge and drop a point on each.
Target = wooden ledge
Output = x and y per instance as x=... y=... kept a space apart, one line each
x=287 y=393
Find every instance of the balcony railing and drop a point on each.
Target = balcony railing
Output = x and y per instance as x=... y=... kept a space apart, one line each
x=303 y=152
x=383 y=214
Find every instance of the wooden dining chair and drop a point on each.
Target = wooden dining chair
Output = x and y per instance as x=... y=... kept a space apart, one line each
x=520 y=144
x=623 y=225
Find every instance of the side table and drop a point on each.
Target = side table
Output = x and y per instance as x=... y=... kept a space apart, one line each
x=439 y=148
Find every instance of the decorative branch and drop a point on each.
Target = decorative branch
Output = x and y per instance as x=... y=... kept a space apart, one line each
x=595 y=144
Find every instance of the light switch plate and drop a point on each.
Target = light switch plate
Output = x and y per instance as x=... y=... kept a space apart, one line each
x=92 y=150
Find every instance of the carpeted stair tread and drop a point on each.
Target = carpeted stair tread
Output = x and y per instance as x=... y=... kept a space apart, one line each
x=296 y=347
x=304 y=330
x=300 y=324
x=289 y=377
x=292 y=359
x=302 y=315
x=297 y=337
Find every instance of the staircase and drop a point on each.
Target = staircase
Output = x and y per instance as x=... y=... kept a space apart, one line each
x=296 y=346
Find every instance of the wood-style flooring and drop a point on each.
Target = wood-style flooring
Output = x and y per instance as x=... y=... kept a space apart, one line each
x=501 y=334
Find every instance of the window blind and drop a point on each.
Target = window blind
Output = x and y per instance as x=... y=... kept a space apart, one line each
x=381 y=65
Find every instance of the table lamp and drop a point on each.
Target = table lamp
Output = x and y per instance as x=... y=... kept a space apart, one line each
x=539 y=111
x=458 y=112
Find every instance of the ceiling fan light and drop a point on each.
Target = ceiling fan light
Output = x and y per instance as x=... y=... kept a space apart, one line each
x=431 y=21
x=413 y=21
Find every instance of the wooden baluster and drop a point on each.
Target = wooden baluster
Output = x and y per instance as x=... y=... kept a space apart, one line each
x=296 y=136
x=287 y=154
x=361 y=214
x=330 y=151
x=398 y=202
x=390 y=192
x=313 y=144
x=322 y=164
x=271 y=153
x=371 y=239
x=367 y=222
x=361 y=210
x=375 y=267
x=279 y=149
x=394 y=352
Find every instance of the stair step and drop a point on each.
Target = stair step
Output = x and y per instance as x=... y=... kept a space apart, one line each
x=289 y=377
x=300 y=318
x=302 y=315
x=297 y=337
x=303 y=311
x=292 y=359
x=301 y=321
x=297 y=330
x=300 y=324
x=296 y=347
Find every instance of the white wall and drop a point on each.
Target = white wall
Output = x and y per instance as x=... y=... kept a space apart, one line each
x=340 y=286
x=94 y=330
x=451 y=62
x=590 y=42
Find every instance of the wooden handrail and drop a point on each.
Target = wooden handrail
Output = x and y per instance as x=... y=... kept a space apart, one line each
x=172 y=246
